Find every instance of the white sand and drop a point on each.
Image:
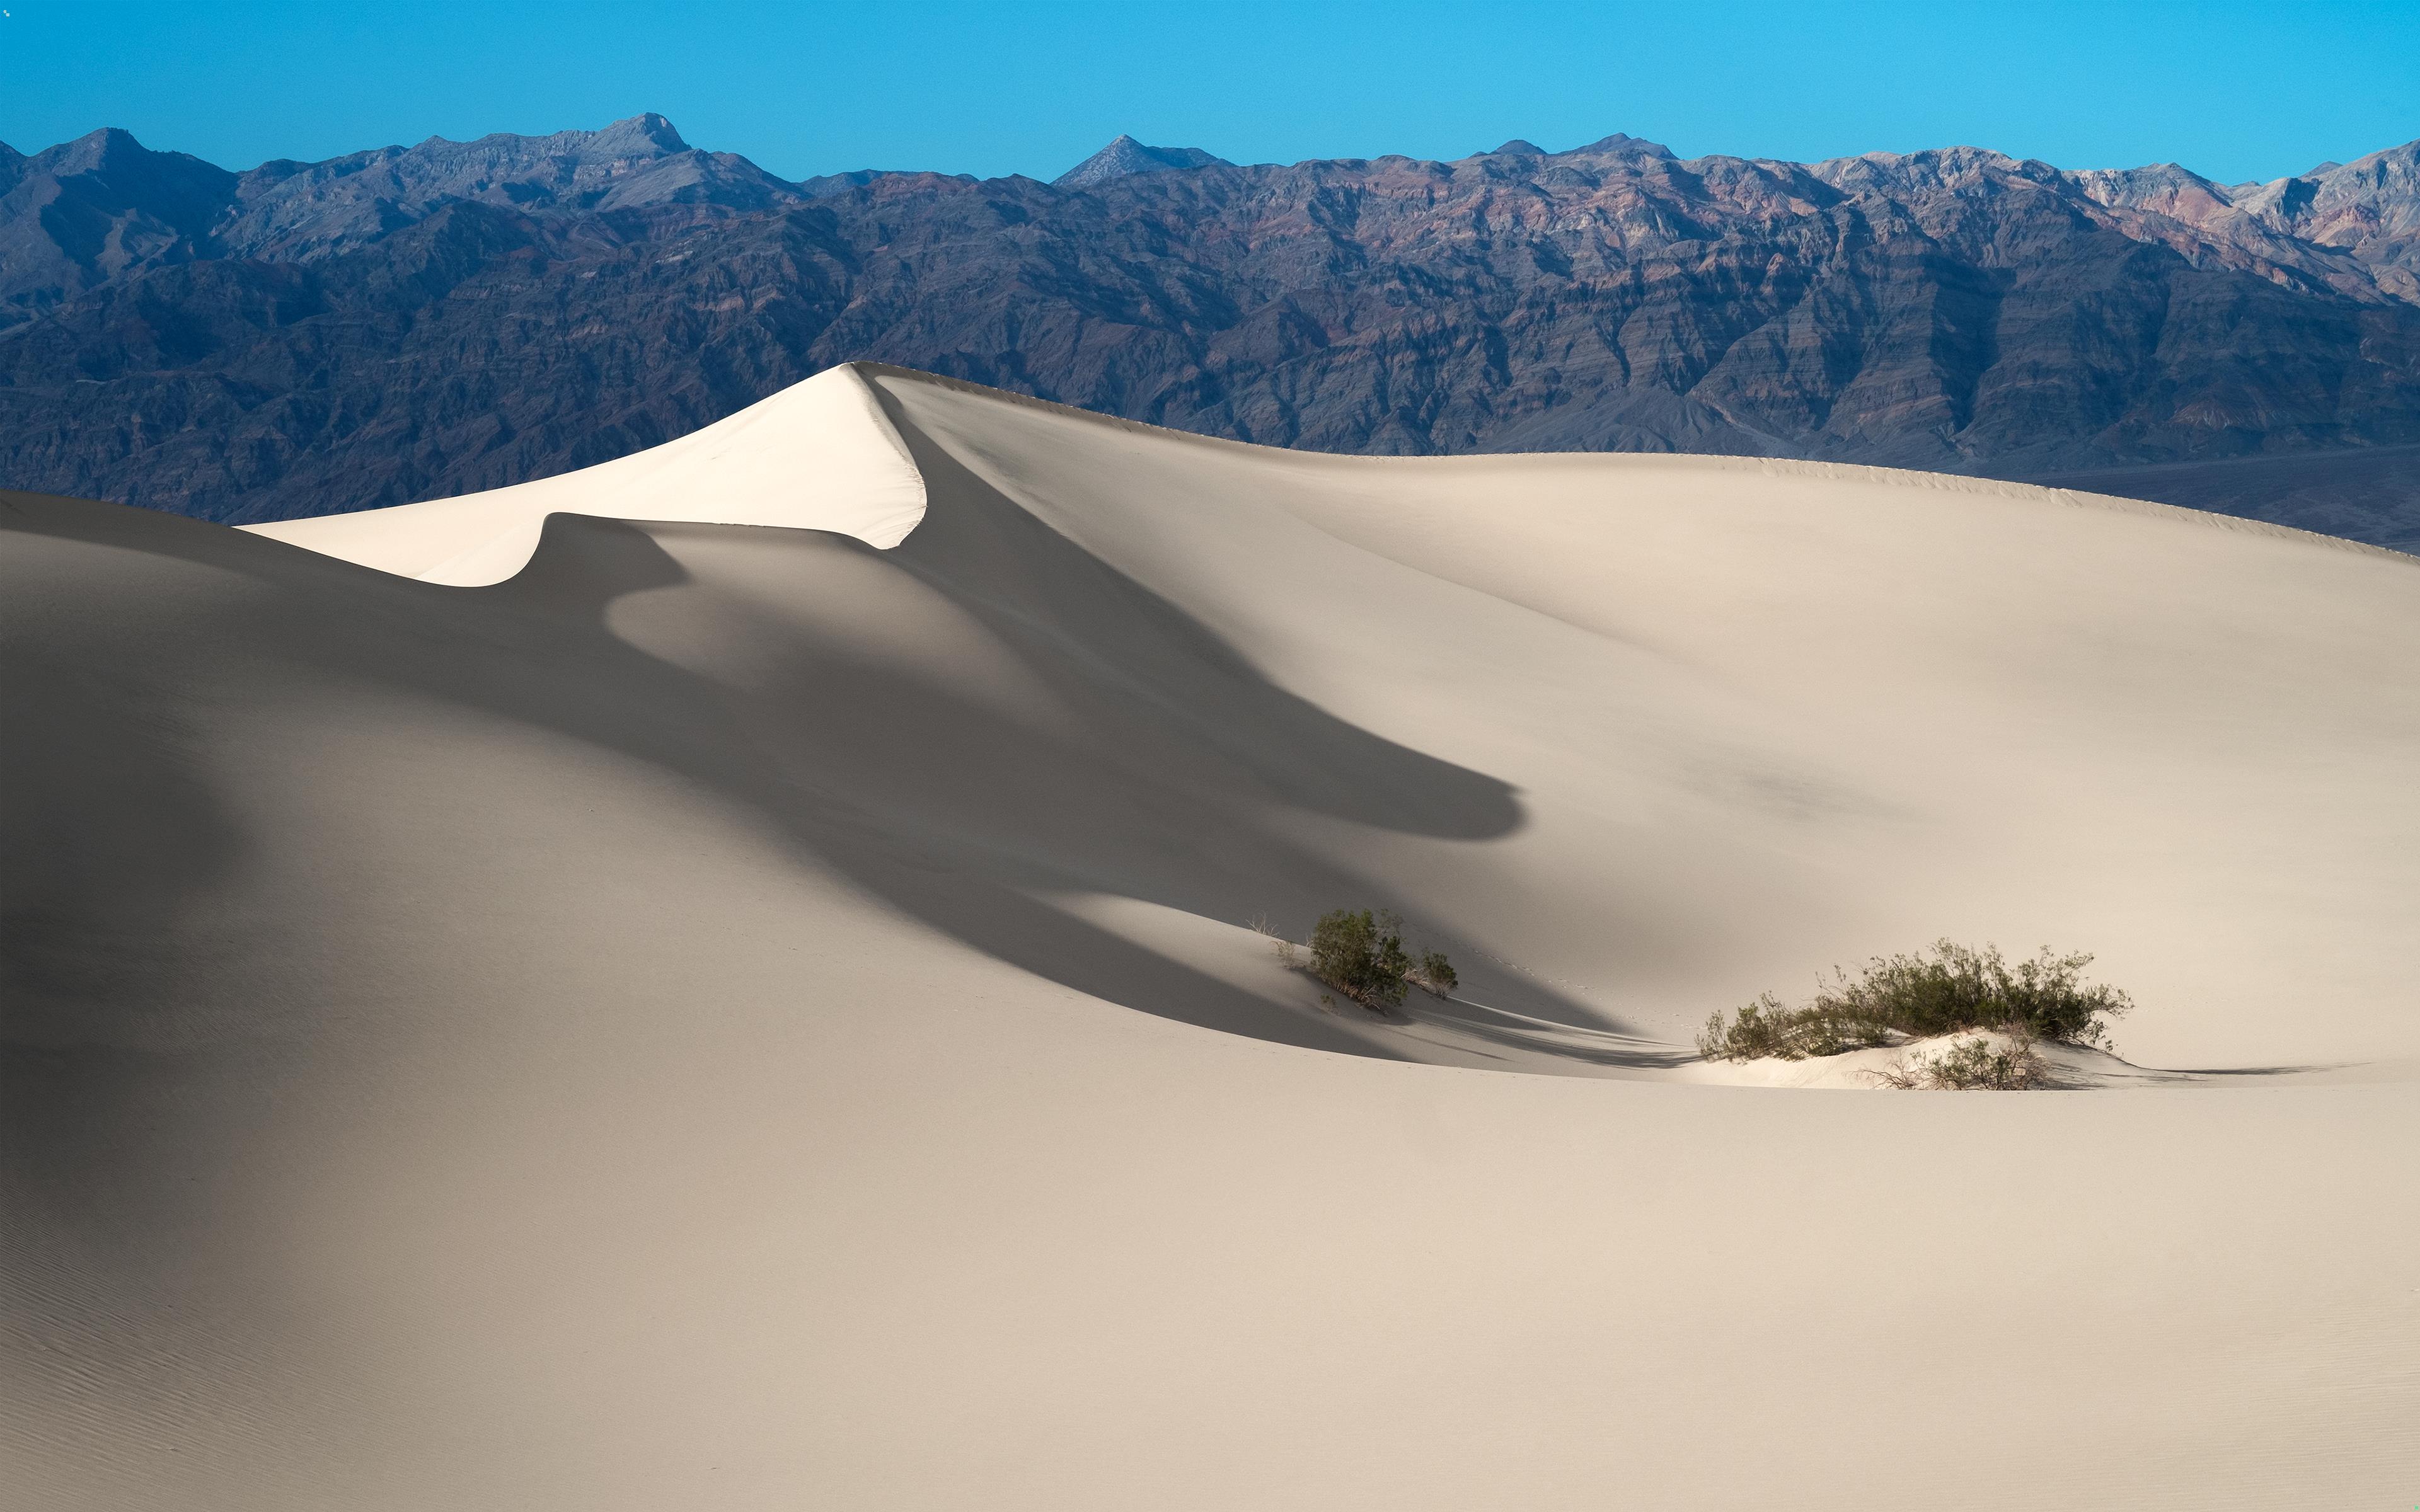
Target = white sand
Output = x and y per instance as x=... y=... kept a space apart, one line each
x=816 y=456
x=731 y=1017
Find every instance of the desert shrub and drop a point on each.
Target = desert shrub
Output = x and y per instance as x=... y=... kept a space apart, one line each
x=1980 y=1064
x=1952 y=989
x=1361 y=955
x=1759 y=1031
x=1957 y=988
x=1770 y=1027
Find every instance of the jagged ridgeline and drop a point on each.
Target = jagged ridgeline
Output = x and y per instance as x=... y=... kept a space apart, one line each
x=416 y=322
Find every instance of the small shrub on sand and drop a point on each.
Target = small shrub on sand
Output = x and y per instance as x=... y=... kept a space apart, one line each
x=1361 y=955
x=1434 y=974
x=1980 y=1064
x=1769 y=1027
x=1946 y=991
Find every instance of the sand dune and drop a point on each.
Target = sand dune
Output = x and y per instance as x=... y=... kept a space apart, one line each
x=569 y=997
x=818 y=456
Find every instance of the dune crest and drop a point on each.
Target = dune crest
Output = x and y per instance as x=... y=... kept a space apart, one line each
x=818 y=456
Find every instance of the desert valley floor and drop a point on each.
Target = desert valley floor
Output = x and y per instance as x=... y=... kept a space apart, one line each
x=727 y=979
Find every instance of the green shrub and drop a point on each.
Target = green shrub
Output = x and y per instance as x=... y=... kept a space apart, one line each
x=1976 y=1065
x=1434 y=972
x=1770 y=1027
x=1952 y=989
x=1980 y=1065
x=1361 y=955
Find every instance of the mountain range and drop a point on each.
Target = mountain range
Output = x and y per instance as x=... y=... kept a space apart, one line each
x=415 y=322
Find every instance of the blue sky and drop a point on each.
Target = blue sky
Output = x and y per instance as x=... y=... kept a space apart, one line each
x=2233 y=90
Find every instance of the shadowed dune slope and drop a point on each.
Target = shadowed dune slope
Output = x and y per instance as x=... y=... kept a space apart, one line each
x=763 y=1017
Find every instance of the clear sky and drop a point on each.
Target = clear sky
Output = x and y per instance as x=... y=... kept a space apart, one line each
x=2232 y=89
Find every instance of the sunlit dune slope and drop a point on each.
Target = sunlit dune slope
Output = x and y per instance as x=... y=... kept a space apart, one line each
x=816 y=456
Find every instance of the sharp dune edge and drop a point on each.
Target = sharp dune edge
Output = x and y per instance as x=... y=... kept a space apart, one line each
x=763 y=1017
x=816 y=456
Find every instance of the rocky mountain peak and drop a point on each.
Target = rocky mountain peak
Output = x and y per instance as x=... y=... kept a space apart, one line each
x=1125 y=156
x=638 y=139
x=98 y=207
x=1624 y=143
x=647 y=136
x=300 y=210
x=2166 y=188
x=94 y=151
x=134 y=169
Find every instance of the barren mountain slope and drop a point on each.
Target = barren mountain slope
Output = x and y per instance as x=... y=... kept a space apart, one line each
x=417 y=322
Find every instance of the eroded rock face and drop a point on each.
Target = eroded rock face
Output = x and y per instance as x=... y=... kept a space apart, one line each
x=418 y=322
